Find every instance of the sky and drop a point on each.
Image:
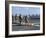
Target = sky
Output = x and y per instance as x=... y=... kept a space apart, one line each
x=25 y=10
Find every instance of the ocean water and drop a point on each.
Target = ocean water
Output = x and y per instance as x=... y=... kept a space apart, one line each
x=18 y=27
